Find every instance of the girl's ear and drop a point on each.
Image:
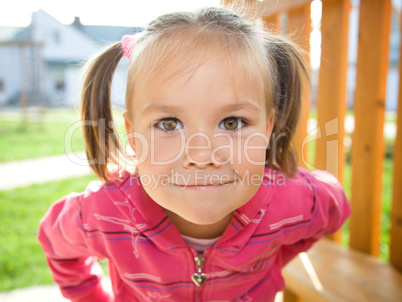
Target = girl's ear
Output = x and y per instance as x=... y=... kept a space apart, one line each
x=128 y=124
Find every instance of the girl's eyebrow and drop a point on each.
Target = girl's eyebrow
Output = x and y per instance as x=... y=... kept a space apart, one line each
x=246 y=106
x=160 y=108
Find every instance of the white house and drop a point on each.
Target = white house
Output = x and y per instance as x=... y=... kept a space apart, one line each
x=40 y=64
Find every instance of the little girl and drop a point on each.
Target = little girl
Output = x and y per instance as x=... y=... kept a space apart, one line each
x=215 y=205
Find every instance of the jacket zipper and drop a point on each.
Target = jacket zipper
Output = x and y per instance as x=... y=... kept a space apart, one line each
x=198 y=277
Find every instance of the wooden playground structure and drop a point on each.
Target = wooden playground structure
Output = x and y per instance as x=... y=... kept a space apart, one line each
x=330 y=272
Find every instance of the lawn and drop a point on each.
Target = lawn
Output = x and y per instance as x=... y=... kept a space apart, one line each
x=52 y=133
x=22 y=262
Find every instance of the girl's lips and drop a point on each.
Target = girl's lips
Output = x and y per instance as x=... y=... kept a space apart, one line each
x=203 y=186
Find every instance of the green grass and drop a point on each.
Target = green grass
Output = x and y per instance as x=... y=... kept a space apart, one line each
x=386 y=210
x=41 y=135
x=39 y=139
x=22 y=262
x=52 y=133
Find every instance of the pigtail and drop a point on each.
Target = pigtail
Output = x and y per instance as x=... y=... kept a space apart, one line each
x=290 y=76
x=102 y=145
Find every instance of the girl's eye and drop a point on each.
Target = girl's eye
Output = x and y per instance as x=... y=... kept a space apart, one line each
x=169 y=124
x=232 y=123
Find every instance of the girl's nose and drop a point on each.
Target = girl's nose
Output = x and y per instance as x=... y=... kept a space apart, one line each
x=199 y=152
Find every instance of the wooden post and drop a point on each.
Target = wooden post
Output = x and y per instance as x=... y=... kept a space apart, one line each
x=332 y=96
x=396 y=213
x=299 y=30
x=368 y=137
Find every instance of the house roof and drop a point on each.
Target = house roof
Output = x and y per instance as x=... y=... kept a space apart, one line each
x=8 y=33
x=105 y=34
x=22 y=35
x=108 y=34
x=99 y=33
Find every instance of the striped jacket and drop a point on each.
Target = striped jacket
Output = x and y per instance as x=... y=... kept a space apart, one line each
x=148 y=259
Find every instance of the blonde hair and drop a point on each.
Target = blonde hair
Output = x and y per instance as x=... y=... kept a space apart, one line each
x=270 y=62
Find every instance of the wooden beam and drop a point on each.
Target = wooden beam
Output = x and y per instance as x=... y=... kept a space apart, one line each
x=331 y=95
x=368 y=137
x=299 y=30
x=396 y=212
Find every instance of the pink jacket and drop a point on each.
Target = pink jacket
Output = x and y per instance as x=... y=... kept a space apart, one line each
x=149 y=260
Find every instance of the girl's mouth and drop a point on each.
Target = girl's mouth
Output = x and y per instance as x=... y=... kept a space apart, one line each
x=203 y=186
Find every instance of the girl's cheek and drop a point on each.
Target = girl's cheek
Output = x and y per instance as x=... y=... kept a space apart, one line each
x=250 y=150
x=255 y=147
x=166 y=150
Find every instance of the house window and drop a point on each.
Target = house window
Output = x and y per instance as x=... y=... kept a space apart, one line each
x=60 y=86
x=1 y=85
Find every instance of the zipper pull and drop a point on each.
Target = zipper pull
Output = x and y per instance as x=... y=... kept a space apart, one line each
x=199 y=277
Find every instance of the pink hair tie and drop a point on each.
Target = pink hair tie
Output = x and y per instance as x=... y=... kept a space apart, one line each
x=127 y=44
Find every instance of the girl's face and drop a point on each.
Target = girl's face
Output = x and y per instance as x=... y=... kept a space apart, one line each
x=200 y=138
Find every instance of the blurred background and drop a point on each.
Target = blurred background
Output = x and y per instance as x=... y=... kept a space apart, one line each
x=43 y=46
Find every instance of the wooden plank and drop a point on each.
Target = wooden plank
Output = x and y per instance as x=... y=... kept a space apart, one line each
x=329 y=272
x=299 y=30
x=368 y=137
x=331 y=96
x=289 y=296
x=396 y=214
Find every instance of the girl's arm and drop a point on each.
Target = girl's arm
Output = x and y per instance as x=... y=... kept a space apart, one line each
x=328 y=208
x=74 y=266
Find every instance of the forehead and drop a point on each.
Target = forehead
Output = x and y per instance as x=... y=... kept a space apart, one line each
x=184 y=52
x=213 y=81
x=210 y=76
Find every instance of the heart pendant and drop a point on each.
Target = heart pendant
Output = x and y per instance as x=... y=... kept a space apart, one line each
x=199 y=279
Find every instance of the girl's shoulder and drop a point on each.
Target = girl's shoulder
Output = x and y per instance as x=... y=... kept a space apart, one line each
x=312 y=203
x=308 y=187
x=304 y=180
